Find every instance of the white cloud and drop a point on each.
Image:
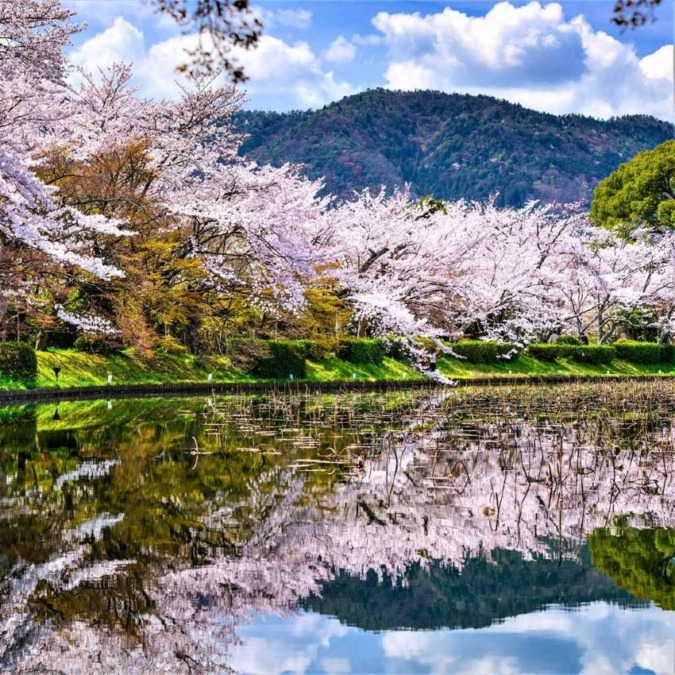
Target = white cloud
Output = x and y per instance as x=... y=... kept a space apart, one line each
x=289 y=645
x=340 y=50
x=530 y=54
x=282 y=76
x=597 y=638
x=659 y=64
x=334 y=666
x=120 y=42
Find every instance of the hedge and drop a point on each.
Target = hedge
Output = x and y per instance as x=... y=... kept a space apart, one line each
x=582 y=353
x=551 y=351
x=594 y=354
x=483 y=351
x=476 y=351
x=567 y=340
x=274 y=359
x=643 y=353
x=98 y=344
x=667 y=353
x=312 y=349
x=286 y=359
x=508 y=351
x=18 y=362
x=362 y=350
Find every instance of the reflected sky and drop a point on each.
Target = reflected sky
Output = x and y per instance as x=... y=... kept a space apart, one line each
x=595 y=639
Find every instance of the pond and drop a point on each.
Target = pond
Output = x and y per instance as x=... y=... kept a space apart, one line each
x=501 y=530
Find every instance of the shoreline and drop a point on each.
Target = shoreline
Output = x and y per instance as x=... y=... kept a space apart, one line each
x=10 y=397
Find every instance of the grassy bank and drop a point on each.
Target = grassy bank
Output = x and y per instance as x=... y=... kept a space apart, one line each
x=81 y=369
x=526 y=366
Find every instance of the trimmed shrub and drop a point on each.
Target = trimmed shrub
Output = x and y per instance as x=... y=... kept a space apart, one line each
x=551 y=351
x=567 y=340
x=507 y=351
x=668 y=353
x=246 y=353
x=483 y=351
x=596 y=354
x=274 y=359
x=312 y=349
x=476 y=351
x=61 y=339
x=643 y=353
x=362 y=350
x=286 y=359
x=18 y=362
x=582 y=353
x=93 y=343
x=398 y=348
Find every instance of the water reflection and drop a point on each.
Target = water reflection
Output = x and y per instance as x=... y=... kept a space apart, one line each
x=155 y=535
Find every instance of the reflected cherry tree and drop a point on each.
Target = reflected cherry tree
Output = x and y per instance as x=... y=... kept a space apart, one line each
x=169 y=529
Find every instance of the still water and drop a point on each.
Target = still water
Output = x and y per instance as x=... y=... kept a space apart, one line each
x=513 y=530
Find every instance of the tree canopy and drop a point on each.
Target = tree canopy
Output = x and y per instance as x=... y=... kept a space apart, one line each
x=640 y=193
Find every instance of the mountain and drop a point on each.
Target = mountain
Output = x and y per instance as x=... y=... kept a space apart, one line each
x=449 y=146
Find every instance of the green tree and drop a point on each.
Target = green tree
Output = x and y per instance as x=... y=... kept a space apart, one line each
x=640 y=192
x=640 y=561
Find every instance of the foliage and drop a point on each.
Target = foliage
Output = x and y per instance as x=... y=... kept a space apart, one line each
x=94 y=343
x=476 y=351
x=640 y=323
x=219 y=26
x=170 y=345
x=362 y=350
x=313 y=350
x=668 y=353
x=596 y=354
x=484 y=351
x=18 y=362
x=550 y=352
x=639 y=193
x=286 y=359
x=634 y=13
x=450 y=146
x=273 y=359
x=567 y=340
x=593 y=354
x=246 y=353
x=638 y=352
x=641 y=561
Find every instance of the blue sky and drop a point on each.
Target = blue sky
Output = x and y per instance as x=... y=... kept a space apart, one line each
x=559 y=57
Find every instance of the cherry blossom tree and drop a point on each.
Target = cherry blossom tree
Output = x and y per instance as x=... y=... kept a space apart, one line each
x=253 y=228
x=37 y=231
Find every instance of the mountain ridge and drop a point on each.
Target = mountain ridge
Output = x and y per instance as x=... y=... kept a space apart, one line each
x=449 y=146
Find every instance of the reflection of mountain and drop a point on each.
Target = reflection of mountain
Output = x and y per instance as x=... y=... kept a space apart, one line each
x=147 y=541
x=476 y=596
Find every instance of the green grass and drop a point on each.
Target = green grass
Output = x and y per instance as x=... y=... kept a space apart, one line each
x=82 y=369
x=526 y=366
x=7 y=383
x=334 y=369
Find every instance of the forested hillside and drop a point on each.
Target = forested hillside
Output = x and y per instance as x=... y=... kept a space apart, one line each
x=450 y=146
